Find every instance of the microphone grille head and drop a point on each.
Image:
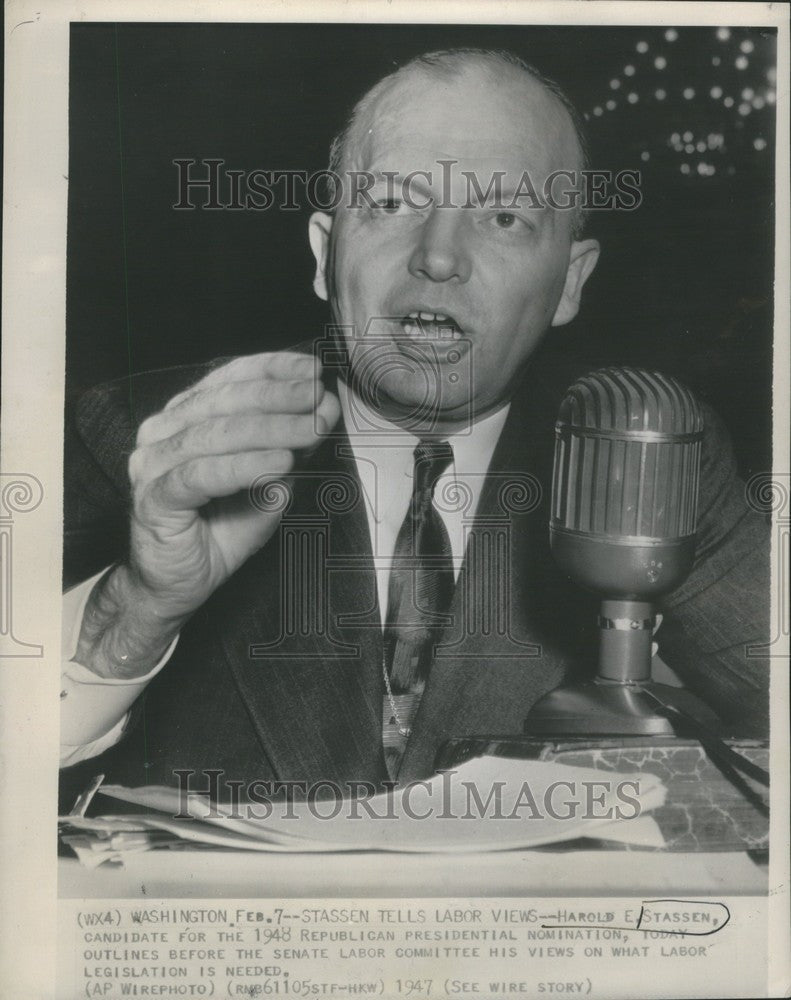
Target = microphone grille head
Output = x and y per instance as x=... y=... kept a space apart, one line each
x=631 y=399
x=627 y=456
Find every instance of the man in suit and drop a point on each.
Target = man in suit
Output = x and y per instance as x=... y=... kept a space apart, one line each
x=402 y=590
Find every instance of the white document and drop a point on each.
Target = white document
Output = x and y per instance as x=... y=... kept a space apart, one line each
x=487 y=804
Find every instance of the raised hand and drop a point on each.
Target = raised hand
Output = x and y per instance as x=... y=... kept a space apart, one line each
x=193 y=524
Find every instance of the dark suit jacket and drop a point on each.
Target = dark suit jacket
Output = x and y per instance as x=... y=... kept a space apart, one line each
x=261 y=691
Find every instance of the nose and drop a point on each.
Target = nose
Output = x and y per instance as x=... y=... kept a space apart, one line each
x=441 y=253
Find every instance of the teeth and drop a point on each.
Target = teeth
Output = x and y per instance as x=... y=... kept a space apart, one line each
x=430 y=317
x=421 y=318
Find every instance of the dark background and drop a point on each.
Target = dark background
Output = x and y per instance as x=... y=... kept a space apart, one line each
x=685 y=282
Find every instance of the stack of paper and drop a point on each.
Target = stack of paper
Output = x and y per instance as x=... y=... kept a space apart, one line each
x=486 y=804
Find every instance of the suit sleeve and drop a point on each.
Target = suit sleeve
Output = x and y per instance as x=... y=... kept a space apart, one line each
x=718 y=620
x=100 y=431
x=95 y=498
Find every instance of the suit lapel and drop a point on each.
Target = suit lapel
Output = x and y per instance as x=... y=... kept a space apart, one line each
x=314 y=689
x=308 y=665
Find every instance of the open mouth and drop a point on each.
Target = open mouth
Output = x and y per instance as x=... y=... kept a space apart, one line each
x=431 y=325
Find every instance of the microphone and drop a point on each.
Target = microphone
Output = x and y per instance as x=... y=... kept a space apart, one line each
x=623 y=521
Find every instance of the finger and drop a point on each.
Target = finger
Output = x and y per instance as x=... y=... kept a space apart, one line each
x=253 y=395
x=654 y=648
x=287 y=365
x=328 y=411
x=194 y=483
x=226 y=436
x=326 y=417
x=658 y=619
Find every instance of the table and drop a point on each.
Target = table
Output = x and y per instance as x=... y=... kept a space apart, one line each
x=566 y=872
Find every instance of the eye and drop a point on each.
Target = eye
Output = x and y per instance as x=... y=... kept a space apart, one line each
x=516 y=226
x=390 y=206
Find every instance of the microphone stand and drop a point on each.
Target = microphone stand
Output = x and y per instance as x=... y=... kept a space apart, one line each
x=622 y=699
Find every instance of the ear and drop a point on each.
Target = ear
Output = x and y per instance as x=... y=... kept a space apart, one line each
x=582 y=260
x=319 y=229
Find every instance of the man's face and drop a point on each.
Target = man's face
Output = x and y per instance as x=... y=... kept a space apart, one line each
x=496 y=278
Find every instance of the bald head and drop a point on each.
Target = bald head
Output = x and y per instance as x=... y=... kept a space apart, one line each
x=540 y=112
x=444 y=246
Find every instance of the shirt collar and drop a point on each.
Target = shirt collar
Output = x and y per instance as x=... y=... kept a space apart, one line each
x=383 y=453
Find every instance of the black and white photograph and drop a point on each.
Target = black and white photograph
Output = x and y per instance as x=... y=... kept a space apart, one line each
x=415 y=406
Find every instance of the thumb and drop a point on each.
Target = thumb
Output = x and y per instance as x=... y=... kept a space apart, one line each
x=328 y=411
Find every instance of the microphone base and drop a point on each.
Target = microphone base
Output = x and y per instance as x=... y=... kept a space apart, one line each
x=601 y=708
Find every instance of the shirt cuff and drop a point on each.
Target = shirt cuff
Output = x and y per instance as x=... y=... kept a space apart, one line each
x=94 y=709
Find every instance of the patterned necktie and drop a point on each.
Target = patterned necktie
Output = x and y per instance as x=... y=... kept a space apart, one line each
x=421 y=578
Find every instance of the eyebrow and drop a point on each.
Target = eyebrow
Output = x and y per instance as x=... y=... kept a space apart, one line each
x=395 y=179
x=504 y=195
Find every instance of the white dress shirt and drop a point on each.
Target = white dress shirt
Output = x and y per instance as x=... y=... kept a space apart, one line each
x=94 y=710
